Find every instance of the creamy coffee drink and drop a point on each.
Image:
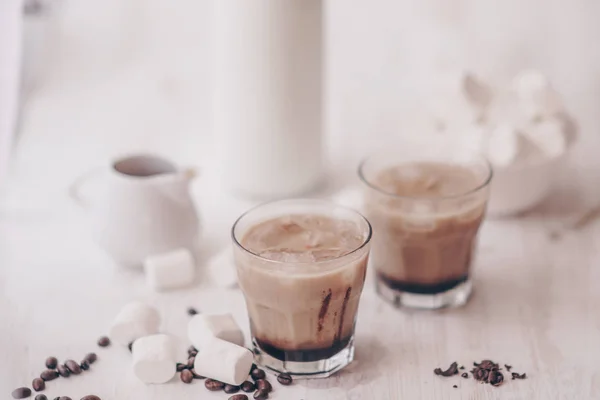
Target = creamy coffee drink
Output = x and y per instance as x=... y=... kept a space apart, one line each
x=302 y=275
x=425 y=217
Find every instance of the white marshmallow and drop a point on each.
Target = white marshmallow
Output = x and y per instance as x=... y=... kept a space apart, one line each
x=223 y=361
x=170 y=270
x=154 y=358
x=537 y=98
x=203 y=327
x=477 y=92
x=503 y=145
x=221 y=268
x=134 y=321
x=548 y=136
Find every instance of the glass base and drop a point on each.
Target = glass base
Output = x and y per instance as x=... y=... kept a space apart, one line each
x=455 y=297
x=306 y=369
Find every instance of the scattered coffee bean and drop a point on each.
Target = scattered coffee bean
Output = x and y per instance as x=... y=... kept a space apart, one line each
x=38 y=384
x=130 y=347
x=190 y=362
x=213 y=386
x=481 y=374
x=238 y=397
x=90 y=358
x=196 y=376
x=230 y=389
x=254 y=366
x=180 y=367
x=261 y=395
x=21 y=393
x=104 y=341
x=192 y=311
x=465 y=375
x=192 y=351
x=73 y=367
x=263 y=384
x=84 y=365
x=284 y=379
x=41 y=397
x=508 y=367
x=455 y=386
x=51 y=362
x=90 y=397
x=248 y=387
x=258 y=374
x=516 y=375
x=186 y=376
x=63 y=371
x=495 y=378
x=462 y=367
x=452 y=370
x=487 y=364
x=49 y=375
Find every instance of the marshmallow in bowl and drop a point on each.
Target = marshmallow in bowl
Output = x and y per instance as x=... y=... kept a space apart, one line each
x=169 y=270
x=504 y=145
x=154 y=358
x=202 y=328
x=224 y=361
x=535 y=95
x=135 y=320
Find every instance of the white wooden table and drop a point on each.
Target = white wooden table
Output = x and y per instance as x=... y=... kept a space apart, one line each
x=536 y=302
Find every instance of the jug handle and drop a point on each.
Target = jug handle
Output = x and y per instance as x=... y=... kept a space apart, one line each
x=79 y=182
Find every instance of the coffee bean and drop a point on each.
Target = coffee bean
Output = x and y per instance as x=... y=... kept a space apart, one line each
x=263 y=384
x=63 y=371
x=284 y=379
x=481 y=374
x=238 y=397
x=487 y=364
x=508 y=367
x=73 y=367
x=180 y=367
x=51 y=362
x=495 y=378
x=130 y=347
x=230 y=389
x=84 y=365
x=196 y=376
x=261 y=395
x=192 y=311
x=186 y=376
x=90 y=358
x=104 y=341
x=213 y=386
x=21 y=393
x=90 y=397
x=465 y=375
x=38 y=384
x=454 y=386
x=41 y=397
x=190 y=362
x=192 y=351
x=516 y=375
x=258 y=374
x=253 y=367
x=452 y=370
x=248 y=387
x=49 y=375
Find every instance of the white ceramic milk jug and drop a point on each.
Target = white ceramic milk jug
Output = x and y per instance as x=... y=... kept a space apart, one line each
x=147 y=209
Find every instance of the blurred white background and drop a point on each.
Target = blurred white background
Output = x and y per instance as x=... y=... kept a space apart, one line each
x=135 y=75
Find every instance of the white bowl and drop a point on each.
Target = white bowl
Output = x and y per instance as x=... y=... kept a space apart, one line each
x=521 y=187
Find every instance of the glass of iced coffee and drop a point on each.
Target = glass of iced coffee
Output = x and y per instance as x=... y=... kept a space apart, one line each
x=301 y=265
x=425 y=207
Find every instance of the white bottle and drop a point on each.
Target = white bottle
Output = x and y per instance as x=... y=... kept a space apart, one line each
x=268 y=95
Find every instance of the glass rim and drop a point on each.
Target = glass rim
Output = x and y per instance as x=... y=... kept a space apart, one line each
x=486 y=182
x=364 y=243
